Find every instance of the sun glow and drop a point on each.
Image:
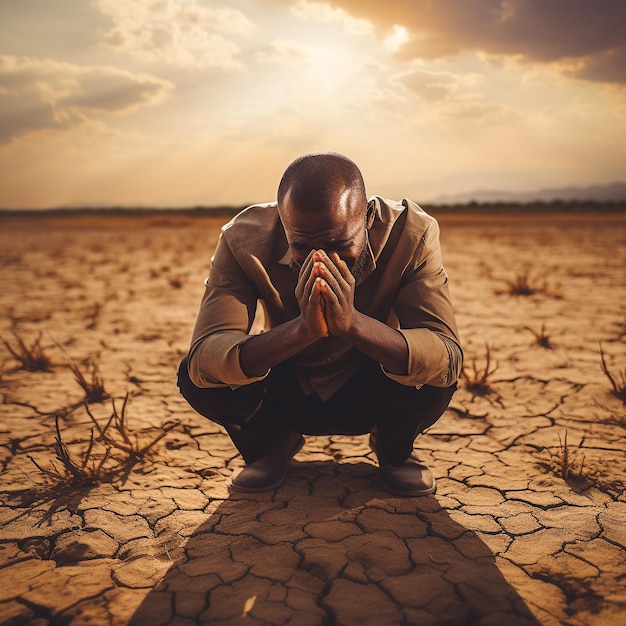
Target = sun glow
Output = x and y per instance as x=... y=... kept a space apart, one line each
x=331 y=66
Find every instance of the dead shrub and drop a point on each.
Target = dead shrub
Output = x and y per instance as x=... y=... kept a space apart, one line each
x=542 y=338
x=110 y=451
x=477 y=380
x=568 y=462
x=90 y=381
x=523 y=284
x=565 y=461
x=32 y=358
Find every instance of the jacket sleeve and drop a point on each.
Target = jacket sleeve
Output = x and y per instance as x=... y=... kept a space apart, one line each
x=224 y=321
x=426 y=318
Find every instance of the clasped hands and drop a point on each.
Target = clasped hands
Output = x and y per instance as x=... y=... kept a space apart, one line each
x=325 y=293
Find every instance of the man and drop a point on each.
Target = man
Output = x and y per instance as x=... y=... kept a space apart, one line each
x=360 y=332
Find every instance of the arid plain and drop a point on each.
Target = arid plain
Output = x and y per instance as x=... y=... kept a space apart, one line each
x=115 y=507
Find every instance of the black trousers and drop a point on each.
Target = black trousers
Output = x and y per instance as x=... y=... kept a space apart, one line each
x=259 y=414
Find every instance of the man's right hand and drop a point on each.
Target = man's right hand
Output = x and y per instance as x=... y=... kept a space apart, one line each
x=263 y=351
x=309 y=296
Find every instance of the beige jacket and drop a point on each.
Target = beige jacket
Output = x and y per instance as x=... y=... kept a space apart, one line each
x=404 y=286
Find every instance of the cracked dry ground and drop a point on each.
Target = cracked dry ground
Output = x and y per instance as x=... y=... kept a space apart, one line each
x=506 y=539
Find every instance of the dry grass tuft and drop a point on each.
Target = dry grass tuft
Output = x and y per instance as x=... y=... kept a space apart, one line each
x=541 y=338
x=31 y=358
x=90 y=381
x=111 y=450
x=477 y=381
x=568 y=462
x=565 y=461
x=618 y=380
x=524 y=285
x=122 y=438
x=73 y=471
x=176 y=282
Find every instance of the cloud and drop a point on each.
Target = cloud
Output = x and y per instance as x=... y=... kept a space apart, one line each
x=430 y=86
x=608 y=66
x=284 y=52
x=180 y=32
x=399 y=36
x=323 y=12
x=587 y=37
x=448 y=96
x=42 y=94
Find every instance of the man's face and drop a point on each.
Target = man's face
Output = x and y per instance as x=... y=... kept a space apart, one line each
x=343 y=232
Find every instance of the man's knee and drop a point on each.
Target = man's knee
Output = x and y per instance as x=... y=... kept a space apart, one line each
x=223 y=405
x=435 y=400
x=407 y=415
x=182 y=377
x=427 y=400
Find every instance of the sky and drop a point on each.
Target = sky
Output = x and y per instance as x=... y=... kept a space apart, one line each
x=196 y=102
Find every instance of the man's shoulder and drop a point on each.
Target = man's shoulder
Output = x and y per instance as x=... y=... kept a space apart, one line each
x=416 y=220
x=254 y=224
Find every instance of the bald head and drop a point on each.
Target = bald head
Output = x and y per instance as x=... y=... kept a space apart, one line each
x=322 y=182
x=323 y=206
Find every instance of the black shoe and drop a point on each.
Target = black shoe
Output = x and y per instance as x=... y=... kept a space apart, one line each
x=270 y=471
x=409 y=479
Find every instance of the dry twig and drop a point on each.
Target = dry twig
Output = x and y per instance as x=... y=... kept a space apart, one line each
x=618 y=381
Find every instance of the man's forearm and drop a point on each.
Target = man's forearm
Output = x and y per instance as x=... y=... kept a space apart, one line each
x=261 y=352
x=380 y=342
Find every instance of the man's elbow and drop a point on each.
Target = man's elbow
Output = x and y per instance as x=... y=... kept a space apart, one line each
x=452 y=372
x=197 y=375
x=194 y=372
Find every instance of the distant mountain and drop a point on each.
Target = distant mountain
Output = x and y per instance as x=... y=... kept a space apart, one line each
x=596 y=193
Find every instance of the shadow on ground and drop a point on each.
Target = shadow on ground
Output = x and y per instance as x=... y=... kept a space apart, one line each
x=328 y=548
